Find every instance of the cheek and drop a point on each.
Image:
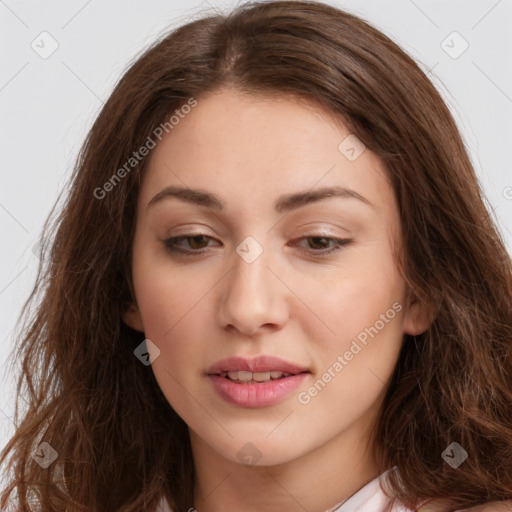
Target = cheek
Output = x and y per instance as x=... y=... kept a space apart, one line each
x=169 y=306
x=365 y=309
x=172 y=311
x=353 y=369
x=174 y=319
x=167 y=294
x=352 y=299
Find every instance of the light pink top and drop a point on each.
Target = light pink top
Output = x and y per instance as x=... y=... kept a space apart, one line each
x=371 y=498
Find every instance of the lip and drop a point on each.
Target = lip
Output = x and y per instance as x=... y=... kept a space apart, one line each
x=256 y=364
x=255 y=395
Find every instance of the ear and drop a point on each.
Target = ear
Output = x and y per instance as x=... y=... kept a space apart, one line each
x=418 y=316
x=132 y=317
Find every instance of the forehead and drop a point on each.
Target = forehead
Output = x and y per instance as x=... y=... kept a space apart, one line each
x=251 y=150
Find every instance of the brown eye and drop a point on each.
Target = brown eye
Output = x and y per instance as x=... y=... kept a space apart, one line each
x=194 y=244
x=197 y=240
x=319 y=240
x=319 y=245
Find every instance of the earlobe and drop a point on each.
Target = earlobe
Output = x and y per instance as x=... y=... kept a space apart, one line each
x=132 y=317
x=418 y=317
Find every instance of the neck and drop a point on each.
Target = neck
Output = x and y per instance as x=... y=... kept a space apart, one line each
x=316 y=481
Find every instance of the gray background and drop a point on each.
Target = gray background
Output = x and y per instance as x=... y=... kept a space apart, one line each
x=47 y=105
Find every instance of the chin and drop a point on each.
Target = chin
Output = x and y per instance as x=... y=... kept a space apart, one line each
x=253 y=450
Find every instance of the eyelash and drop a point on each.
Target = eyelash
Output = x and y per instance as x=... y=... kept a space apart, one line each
x=340 y=243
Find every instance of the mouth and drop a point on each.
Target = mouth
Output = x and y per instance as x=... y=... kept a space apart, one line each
x=258 y=369
x=244 y=377
x=257 y=382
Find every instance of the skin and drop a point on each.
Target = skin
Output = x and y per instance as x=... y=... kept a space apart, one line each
x=290 y=302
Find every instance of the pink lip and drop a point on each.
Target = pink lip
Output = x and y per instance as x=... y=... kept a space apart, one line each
x=260 y=394
x=256 y=395
x=256 y=364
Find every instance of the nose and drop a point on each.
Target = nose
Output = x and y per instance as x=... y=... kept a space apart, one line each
x=253 y=297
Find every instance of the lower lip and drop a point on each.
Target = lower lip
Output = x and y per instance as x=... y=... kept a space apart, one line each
x=256 y=395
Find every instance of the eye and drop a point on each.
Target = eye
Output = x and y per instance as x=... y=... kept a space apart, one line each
x=319 y=245
x=197 y=242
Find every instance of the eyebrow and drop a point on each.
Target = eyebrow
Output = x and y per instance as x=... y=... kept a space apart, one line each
x=285 y=203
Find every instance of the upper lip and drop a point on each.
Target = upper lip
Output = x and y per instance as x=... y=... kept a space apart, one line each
x=257 y=364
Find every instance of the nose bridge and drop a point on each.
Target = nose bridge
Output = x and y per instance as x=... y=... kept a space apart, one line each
x=250 y=275
x=251 y=295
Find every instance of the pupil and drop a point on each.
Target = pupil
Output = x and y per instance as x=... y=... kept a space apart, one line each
x=197 y=240
x=316 y=240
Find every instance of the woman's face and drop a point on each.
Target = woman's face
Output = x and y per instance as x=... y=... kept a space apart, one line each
x=277 y=309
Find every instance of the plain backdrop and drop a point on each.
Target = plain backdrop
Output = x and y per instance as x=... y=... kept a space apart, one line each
x=48 y=103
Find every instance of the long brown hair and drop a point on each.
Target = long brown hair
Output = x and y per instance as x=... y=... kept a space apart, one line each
x=120 y=445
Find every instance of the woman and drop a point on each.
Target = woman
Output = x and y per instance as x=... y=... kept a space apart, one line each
x=274 y=286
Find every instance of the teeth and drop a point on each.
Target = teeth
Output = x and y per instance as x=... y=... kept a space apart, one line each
x=244 y=376
x=261 y=376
